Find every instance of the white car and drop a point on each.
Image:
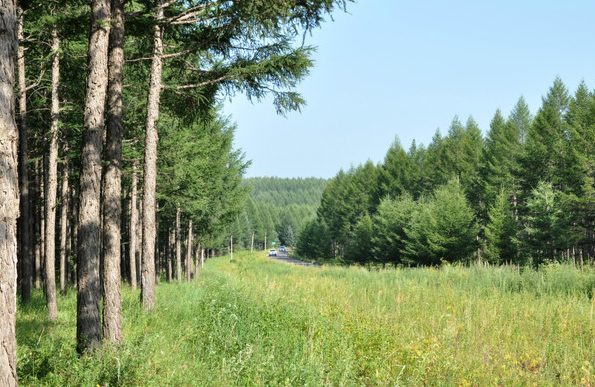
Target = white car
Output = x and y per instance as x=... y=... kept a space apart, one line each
x=272 y=253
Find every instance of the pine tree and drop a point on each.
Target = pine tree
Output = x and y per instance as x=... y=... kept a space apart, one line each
x=9 y=195
x=544 y=234
x=390 y=221
x=546 y=142
x=500 y=231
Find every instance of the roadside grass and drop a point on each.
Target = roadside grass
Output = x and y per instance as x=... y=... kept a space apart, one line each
x=259 y=322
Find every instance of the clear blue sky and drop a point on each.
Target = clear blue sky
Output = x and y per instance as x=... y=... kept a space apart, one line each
x=392 y=68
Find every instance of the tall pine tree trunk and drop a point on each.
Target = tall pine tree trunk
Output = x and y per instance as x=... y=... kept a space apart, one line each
x=197 y=261
x=40 y=223
x=25 y=241
x=64 y=226
x=178 y=246
x=75 y=231
x=170 y=252
x=112 y=204
x=150 y=170
x=9 y=194
x=189 y=253
x=52 y=187
x=133 y=227
x=89 y=291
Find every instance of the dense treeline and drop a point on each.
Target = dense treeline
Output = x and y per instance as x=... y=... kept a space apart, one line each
x=524 y=193
x=125 y=169
x=276 y=210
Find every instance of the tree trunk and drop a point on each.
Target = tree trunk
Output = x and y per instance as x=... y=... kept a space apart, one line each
x=89 y=291
x=150 y=170
x=39 y=224
x=178 y=246
x=9 y=194
x=170 y=252
x=139 y=238
x=252 y=242
x=75 y=232
x=189 y=253
x=231 y=247
x=112 y=189
x=52 y=187
x=64 y=227
x=157 y=255
x=133 y=227
x=25 y=241
x=196 y=260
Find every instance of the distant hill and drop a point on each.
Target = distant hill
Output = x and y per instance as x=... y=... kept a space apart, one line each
x=284 y=192
x=277 y=208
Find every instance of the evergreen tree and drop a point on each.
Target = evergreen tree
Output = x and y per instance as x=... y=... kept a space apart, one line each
x=395 y=174
x=544 y=234
x=546 y=145
x=443 y=230
x=500 y=231
x=359 y=246
x=390 y=222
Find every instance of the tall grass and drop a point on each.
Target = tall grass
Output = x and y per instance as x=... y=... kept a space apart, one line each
x=259 y=322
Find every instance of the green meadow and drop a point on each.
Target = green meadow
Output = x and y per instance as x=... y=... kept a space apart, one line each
x=259 y=322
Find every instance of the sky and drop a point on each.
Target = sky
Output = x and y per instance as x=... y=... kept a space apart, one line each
x=401 y=69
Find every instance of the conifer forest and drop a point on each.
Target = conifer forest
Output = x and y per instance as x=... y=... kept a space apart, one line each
x=114 y=150
x=522 y=194
x=466 y=261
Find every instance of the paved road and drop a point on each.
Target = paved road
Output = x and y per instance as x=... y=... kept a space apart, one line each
x=281 y=256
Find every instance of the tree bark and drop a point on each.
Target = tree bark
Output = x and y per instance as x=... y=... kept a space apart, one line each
x=139 y=238
x=157 y=255
x=189 y=253
x=150 y=170
x=170 y=252
x=25 y=241
x=133 y=227
x=39 y=224
x=89 y=291
x=112 y=180
x=178 y=246
x=9 y=194
x=196 y=260
x=75 y=231
x=52 y=187
x=64 y=227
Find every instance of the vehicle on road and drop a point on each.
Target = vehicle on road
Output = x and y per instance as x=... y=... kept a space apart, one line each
x=272 y=253
x=282 y=249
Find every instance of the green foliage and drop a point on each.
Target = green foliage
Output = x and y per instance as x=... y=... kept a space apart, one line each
x=545 y=227
x=501 y=231
x=390 y=221
x=278 y=208
x=359 y=247
x=314 y=241
x=442 y=229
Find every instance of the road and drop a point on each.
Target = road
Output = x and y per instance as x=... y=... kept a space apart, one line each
x=283 y=256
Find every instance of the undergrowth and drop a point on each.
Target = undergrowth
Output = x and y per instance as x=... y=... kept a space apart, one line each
x=260 y=322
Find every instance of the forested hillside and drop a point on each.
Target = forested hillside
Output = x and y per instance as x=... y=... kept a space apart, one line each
x=276 y=210
x=523 y=193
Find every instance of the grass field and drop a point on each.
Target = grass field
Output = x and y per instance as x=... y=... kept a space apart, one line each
x=258 y=322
